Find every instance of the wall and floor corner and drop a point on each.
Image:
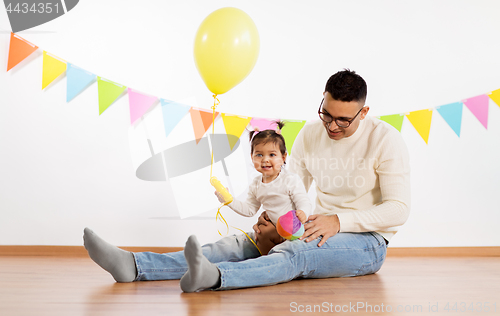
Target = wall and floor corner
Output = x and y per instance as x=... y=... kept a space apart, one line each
x=64 y=167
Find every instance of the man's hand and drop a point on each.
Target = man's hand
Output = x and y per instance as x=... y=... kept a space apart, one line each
x=263 y=220
x=321 y=225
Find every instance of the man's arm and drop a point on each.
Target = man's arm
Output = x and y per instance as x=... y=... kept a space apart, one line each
x=297 y=161
x=393 y=172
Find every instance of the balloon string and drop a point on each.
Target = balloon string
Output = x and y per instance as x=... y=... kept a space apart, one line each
x=219 y=215
x=216 y=102
x=227 y=226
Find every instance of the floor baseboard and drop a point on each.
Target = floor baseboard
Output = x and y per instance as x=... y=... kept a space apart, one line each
x=444 y=252
x=79 y=251
x=70 y=251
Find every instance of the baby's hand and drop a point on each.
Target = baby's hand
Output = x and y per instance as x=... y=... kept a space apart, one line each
x=301 y=216
x=219 y=196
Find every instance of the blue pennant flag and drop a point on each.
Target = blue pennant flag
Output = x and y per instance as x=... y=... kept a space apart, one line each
x=452 y=114
x=77 y=80
x=173 y=113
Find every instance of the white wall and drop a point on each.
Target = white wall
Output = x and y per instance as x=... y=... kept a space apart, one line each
x=63 y=167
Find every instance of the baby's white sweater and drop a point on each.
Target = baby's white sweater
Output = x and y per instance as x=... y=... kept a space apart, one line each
x=364 y=178
x=283 y=194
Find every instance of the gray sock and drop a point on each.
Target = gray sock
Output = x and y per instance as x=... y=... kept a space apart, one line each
x=118 y=262
x=201 y=274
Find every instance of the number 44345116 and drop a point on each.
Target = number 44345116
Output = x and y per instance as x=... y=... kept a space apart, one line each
x=484 y=307
x=33 y=8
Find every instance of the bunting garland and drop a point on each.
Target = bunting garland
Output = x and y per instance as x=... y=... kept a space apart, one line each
x=53 y=67
x=173 y=113
x=139 y=104
x=108 y=91
x=202 y=120
x=234 y=125
x=495 y=96
x=452 y=114
x=19 y=50
x=77 y=81
x=421 y=120
x=395 y=120
x=479 y=107
x=290 y=132
x=263 y=123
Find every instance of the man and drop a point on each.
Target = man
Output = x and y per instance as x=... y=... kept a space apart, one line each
x=361 y=174
x=360 y=166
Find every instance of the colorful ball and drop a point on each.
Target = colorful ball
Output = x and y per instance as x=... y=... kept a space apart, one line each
x=289 y=226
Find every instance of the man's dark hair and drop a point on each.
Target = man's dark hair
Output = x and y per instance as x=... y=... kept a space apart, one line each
x=347 y=86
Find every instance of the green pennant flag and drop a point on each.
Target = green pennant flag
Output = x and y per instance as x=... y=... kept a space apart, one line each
x=290 y=132
x=108 y=92
x=395 y=120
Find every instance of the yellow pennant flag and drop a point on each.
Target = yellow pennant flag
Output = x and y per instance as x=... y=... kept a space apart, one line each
x=234 y=125
x=421 y=120
x=53 y=67
x=495 y=96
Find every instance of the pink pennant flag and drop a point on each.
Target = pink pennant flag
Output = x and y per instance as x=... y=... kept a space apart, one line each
x=479 y=107
x=139 y=104
x=263 y=123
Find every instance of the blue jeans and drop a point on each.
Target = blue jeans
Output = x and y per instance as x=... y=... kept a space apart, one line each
x=240 y=265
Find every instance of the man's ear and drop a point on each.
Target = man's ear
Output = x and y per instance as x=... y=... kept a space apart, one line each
x=364 y=112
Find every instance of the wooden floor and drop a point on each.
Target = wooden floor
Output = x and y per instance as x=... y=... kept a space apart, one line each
x=404 y=286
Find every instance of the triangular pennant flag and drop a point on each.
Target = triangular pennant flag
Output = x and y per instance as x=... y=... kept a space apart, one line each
x=495 y=96
x=479 y=107
x=421 y=120
x=262 y=123
x=208 y=117
x=77 y=80
x=235 y=125
x=202 y=120
x=290 y=131
x=395 y=120
x=19 y=50
x=139 y=103
x=53 y=67
x=108 y=92
x=173 y=112
x=452 y=114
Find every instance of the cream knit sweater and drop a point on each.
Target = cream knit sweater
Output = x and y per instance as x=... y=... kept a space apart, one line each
x=364 y=178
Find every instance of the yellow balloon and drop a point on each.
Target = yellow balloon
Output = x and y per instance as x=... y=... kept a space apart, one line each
x=226 y=48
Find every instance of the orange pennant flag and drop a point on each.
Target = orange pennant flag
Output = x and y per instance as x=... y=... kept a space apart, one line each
x=19 y=50
x=421 y=120
x=202 y=120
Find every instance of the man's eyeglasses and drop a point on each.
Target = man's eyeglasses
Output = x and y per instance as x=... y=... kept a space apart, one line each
x=341 y=122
